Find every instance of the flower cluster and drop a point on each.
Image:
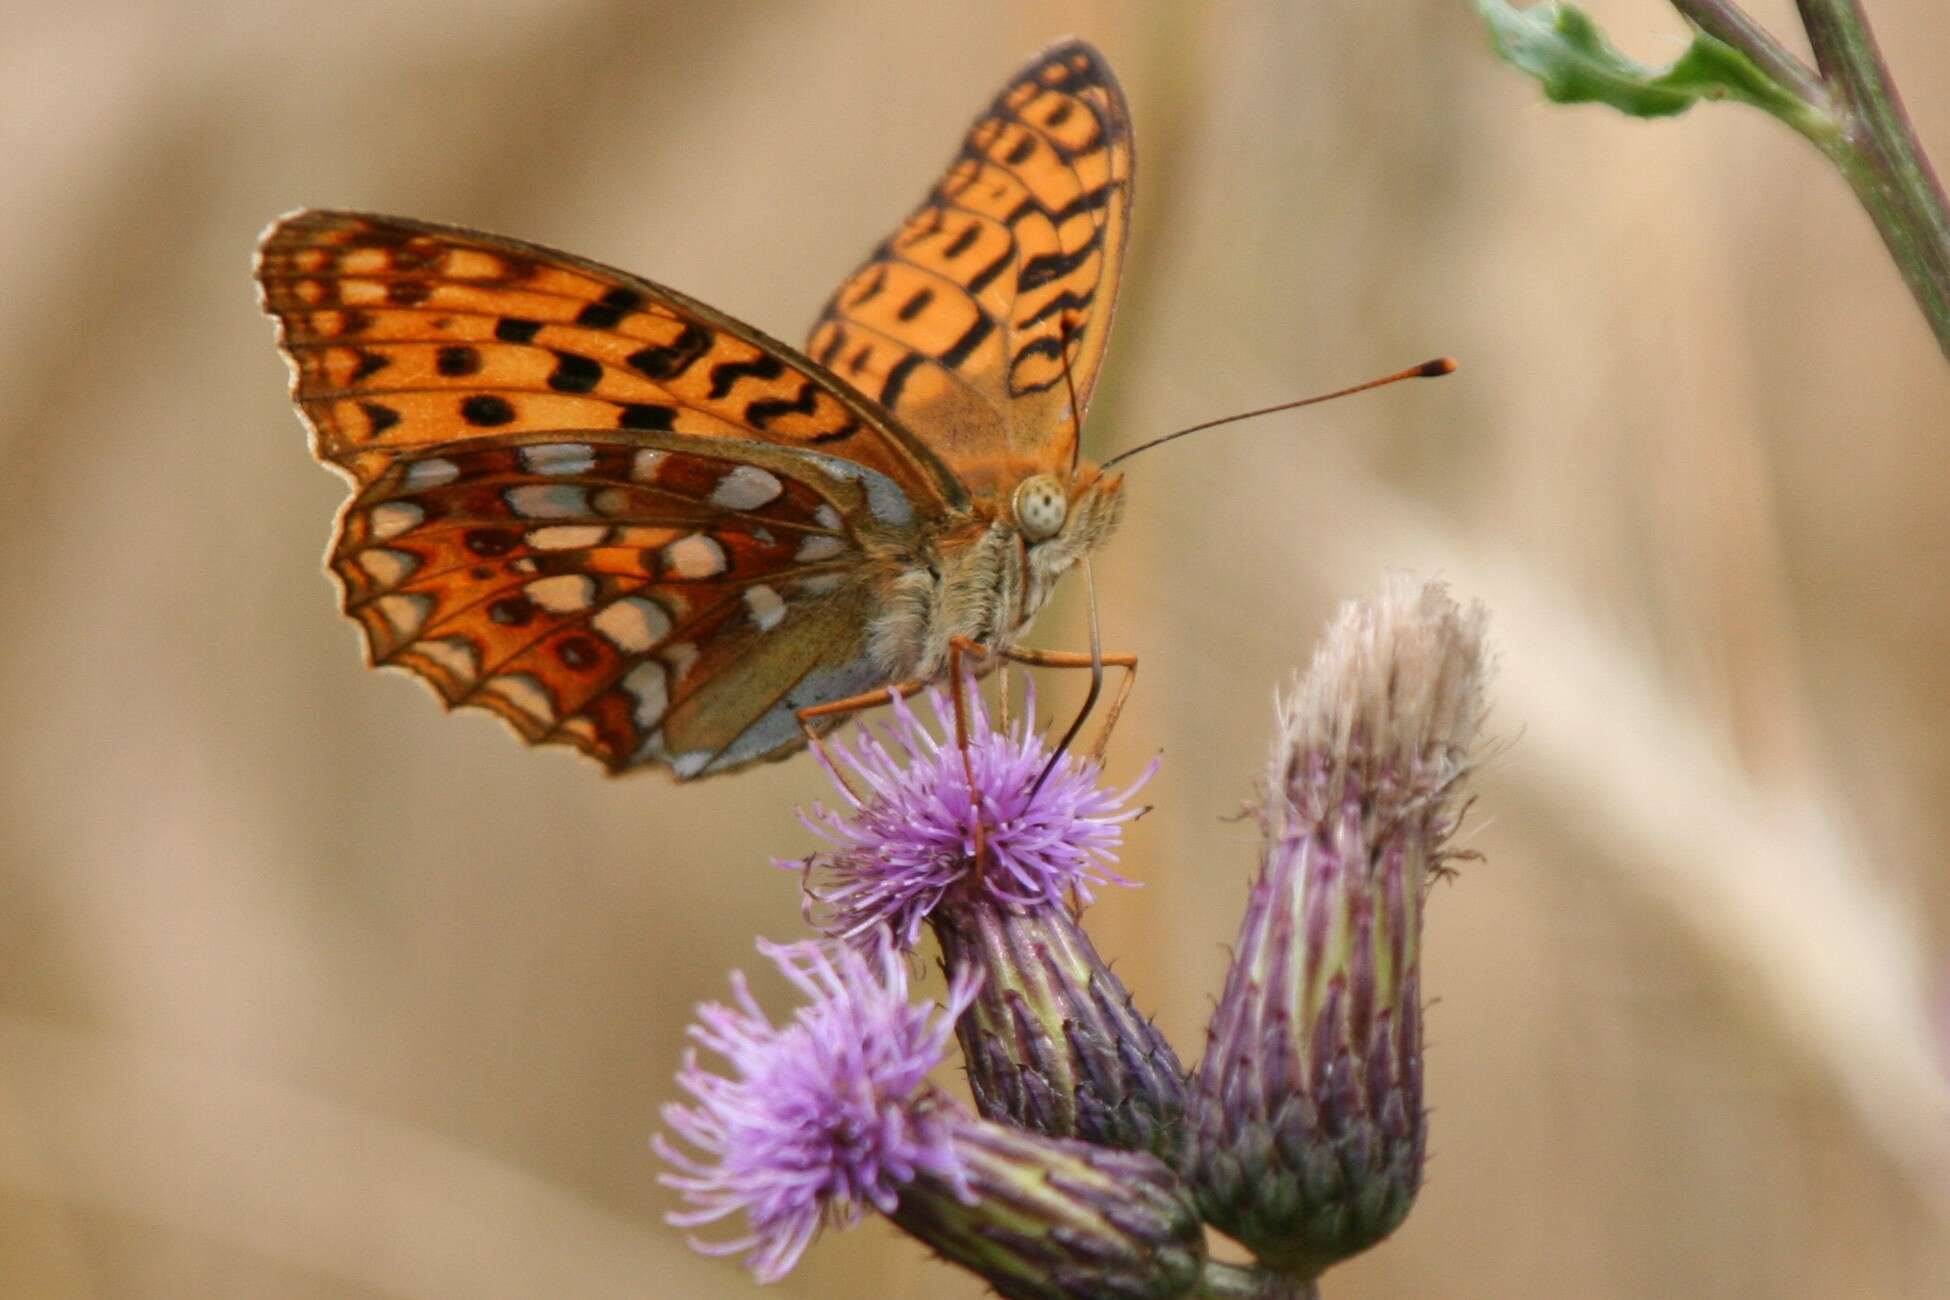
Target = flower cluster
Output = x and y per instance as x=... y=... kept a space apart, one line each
x=1092 y=1162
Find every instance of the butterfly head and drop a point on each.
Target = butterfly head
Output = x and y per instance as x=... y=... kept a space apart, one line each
x=1064 y=514
x=1061 y=523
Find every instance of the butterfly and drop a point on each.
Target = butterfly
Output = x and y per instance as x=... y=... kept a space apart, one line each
x=623 y=521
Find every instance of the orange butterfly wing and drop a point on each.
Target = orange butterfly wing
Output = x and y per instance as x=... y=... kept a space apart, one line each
x=603 y=511
x=956 y=322
x=406 y=334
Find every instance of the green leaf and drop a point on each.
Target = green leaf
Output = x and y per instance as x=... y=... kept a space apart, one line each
x=1560 y=46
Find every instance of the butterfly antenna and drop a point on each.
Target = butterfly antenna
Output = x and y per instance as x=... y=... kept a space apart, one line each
x=1096 y=683
x=1427 y=370
x=1070 y=386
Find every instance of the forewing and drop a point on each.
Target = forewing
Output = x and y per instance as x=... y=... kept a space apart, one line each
x=666 y=604
x=957 y=321
x=405 y=335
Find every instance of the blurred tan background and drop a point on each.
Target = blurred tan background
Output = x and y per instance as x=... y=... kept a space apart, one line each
x=308 y=991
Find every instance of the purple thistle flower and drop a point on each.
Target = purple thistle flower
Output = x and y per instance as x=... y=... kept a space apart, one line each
x=822 y=1116
x=910 y=843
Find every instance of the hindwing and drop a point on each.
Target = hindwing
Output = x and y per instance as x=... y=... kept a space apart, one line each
x=644 y=604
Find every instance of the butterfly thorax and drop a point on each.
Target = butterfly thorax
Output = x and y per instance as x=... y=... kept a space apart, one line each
x=982 y=574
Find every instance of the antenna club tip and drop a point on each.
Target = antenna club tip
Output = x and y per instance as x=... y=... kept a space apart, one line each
x=1436 y=368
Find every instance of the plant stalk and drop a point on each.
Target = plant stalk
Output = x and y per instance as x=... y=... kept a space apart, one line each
x=1879 y=155
x=1223 y=1281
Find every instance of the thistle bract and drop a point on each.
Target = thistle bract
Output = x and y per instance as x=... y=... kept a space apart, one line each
x=1054 y=1219
x=1053 y=1040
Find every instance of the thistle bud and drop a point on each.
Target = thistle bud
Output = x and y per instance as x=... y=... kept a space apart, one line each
x=1307 y=1135
x=1052 y=1039
x=1052 y=1219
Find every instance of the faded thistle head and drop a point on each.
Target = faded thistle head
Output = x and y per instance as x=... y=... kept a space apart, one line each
x=1307 y=1130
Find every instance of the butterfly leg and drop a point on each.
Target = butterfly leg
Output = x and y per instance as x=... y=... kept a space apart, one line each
x=1083 y=659
x=873 y=699
x=958 y=691
x=958 y=688
x=1077 y=659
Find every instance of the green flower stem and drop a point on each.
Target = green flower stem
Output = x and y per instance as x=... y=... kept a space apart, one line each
x=1880 y=157
x=1223 y=1281
x=1730 y=23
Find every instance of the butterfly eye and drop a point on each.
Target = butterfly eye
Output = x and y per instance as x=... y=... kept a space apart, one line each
x=1040 y=507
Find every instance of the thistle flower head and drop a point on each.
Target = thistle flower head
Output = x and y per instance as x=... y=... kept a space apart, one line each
x=910 y=842
x=821 y=1117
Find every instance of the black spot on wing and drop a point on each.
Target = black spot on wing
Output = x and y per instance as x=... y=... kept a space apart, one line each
x=983 y=278
x=672 y=359
x=611 y=308
x=762 y=412
x=579 y=652
x=380 y=416
x=916 y=304
x=727 y=375
x=836 y=339
x=516 y=329
x=485 y=410
x=963 y=242
x=574 y=373
x=457 y=360
x=491 y=542
x=971 y=339
x=1039 y=271
x=646 y=415
x=897 y=375
x=1065 y=301
x=512 y=611
x=840 y=434
x=1088 y=201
